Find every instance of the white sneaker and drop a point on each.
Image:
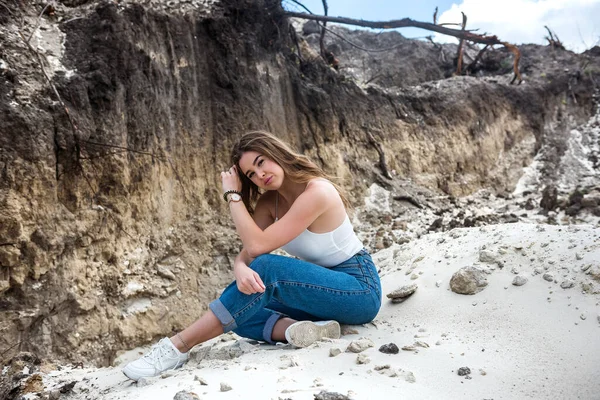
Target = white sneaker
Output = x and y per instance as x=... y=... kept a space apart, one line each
x=305 y=333
x=162 y=357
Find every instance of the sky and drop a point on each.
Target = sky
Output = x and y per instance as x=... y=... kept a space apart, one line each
x=576 y=22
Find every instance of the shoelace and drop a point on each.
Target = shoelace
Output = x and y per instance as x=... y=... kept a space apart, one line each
x=156 y=355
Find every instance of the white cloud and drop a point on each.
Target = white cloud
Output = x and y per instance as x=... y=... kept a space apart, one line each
x=576 y=22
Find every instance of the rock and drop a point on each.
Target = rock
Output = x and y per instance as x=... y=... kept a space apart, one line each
x=362 y=359
x=487 y=256
x=360 y=345
x=201 y=380
x=183 y=395
x=390 y=348
x=567 y=284
x=225 y=387
x=409 y=348
x=462 y=371
x=334 y=351
x=583 y=317
x=323 y=395
x=548 y=277
x=549 y=198
x=165 y=272
x=538 y=270
x=594 y=272
x=519 y=280
x=9 y=256
x=468 y=280
x=409 y=377
x=347 y=330
x=143 y=381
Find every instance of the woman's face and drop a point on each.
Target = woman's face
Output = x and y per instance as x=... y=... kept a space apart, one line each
x=264 y=172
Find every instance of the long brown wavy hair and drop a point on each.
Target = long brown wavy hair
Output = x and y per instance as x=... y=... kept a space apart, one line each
x=296 y=167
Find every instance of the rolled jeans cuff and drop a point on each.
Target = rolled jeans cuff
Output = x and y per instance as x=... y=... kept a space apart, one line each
x=223 y=315
x=269 y=325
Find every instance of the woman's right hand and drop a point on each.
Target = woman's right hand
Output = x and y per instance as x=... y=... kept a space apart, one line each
x=247 y=280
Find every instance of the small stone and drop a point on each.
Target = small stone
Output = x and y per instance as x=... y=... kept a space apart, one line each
x=362 y=359
x=519 y=280
x=334 y=351
x=414 y=276
x=538 y=271
x=143 y=381
x=462 y=371
x=382 y=367
x=578 y=256
x=323 y=395
x=360 y=345
x=567 y=284
x=390 y=348
x=183 y=395
x=468 y=280
x=548 y=277
x=438 y=283
x=487 y=256
x=409 y=348
x=225 y=387
x=583 y=317
x=403 y=291
x=203 y=381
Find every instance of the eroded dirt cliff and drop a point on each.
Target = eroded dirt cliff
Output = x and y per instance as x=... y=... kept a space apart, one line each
x=112 y=231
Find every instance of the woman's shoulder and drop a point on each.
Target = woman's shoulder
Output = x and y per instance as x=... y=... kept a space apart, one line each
x=323 y=187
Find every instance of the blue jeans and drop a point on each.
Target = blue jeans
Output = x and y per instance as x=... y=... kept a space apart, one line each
x=349 y=293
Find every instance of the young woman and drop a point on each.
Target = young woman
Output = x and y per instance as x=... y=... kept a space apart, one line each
x=278 y=198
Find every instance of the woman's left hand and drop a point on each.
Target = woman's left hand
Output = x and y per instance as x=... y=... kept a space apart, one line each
x=230 y=180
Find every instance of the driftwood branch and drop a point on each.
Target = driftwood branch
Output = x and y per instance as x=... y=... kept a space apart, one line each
x=407 y=22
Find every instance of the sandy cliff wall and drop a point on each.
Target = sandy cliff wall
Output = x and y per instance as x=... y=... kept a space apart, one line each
x=103 y=248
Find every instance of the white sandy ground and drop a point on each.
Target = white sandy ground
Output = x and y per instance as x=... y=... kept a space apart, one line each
x=536 y=341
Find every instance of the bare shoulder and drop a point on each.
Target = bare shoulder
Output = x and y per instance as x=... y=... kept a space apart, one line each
x=322 y=188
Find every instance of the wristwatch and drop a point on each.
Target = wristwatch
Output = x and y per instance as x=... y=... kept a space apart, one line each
x=235 y=196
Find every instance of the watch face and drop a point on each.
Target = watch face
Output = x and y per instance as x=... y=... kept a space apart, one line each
x=235 y=197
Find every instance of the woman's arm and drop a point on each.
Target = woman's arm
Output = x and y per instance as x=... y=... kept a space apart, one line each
x=247 y=280
x=318 y=197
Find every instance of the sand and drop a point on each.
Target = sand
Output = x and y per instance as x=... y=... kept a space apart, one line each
x=536 y=341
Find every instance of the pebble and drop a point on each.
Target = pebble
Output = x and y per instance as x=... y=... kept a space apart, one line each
x=403 y=292
x=225 y=387
x=390 y=348
x=462 y=371
x=567 y=284
x=202 y=380
x=334 y=351
x=360 y=345
x=583 y=317
x=183 y=395
x=362 y=359
x=548 y=277
x=519 y=280
x=143 y=381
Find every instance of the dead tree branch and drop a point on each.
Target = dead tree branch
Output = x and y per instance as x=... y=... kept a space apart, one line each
x=553 y=39
x=407 y=22
x=322 y=37
x=459 y=55
x=472 y=66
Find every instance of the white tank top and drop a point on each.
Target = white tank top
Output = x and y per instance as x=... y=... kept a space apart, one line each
x=325 y=249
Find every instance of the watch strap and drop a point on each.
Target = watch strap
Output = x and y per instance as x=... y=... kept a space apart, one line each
x=227 y=193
